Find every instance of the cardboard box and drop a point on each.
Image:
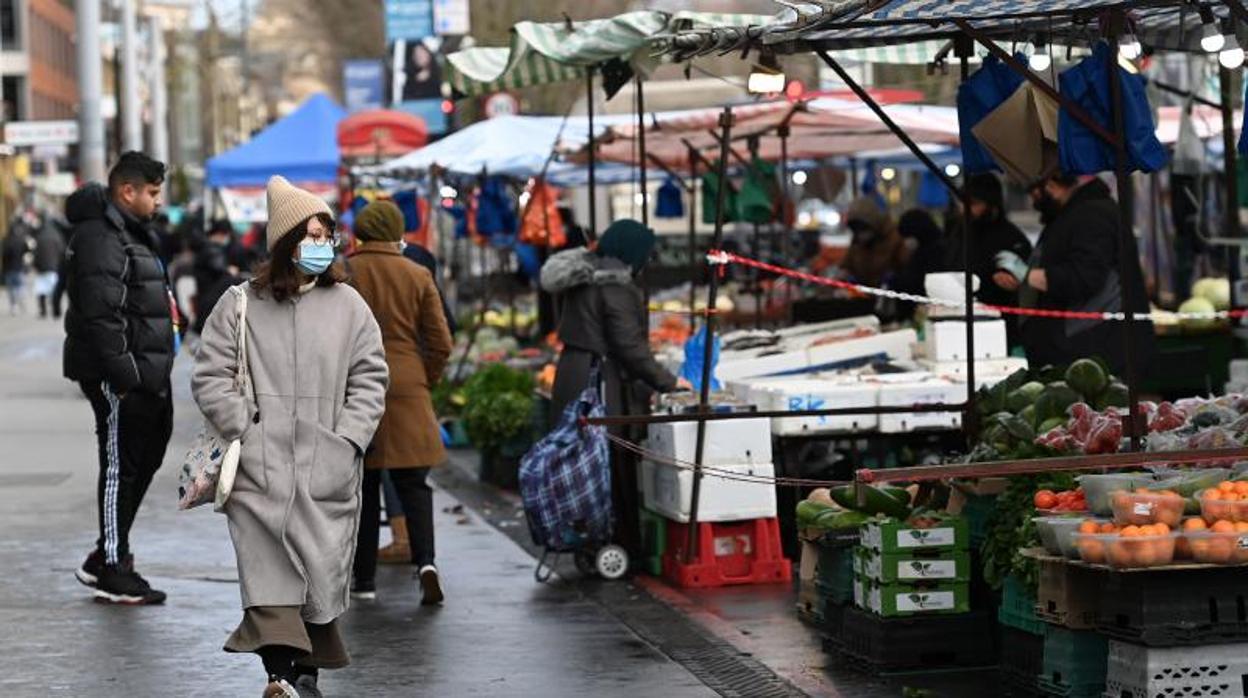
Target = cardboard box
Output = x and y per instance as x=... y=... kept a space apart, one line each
x=893 y=536
x=896 y=600
x=949 y=566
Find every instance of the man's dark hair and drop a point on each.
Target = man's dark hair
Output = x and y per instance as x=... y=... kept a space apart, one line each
x=279 y=275
x=135 y=168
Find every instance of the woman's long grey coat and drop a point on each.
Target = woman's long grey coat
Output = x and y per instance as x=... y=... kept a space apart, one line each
x=320 y=377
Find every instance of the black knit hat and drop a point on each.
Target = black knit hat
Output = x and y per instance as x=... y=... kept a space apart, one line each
x=986 y=187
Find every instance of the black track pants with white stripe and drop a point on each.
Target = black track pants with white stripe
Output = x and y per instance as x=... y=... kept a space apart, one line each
x=133 y=432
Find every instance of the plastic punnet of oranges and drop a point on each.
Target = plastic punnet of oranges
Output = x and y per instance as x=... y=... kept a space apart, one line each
x=1130 y=545
x=1222 y=542
x=1146 y=507
x=1226 y=502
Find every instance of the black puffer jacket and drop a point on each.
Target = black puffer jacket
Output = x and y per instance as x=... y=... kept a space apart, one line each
x=119 y=327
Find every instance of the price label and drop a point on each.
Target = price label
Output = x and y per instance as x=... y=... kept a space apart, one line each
x=1143 y=508
x=1243 y=542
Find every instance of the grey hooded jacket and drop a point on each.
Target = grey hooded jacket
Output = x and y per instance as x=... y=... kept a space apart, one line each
x=603 y=313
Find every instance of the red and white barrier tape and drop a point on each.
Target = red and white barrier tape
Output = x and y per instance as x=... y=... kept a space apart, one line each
x=720 y=258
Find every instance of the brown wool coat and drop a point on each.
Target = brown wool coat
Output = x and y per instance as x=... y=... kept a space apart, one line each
x=408 y=308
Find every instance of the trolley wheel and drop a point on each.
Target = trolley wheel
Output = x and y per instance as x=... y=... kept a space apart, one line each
x=612 y=562
x=585 y=563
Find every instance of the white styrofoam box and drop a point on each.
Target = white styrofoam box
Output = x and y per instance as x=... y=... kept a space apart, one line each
x=945 y=340
x=1205 y=670
x=1239 y=371
x=668 y=490
x=747 y=364
x=728 y=441
x=920 y=392
x=896 y=346
x=816 y=394
x=990 y=370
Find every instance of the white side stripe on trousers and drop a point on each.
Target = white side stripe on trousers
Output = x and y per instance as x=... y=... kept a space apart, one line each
x=112 y=476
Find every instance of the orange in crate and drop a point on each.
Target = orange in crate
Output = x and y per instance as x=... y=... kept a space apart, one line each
x=738 y=552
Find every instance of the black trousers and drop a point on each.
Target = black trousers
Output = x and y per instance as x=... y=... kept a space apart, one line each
x=417 y=498
x=132 y=434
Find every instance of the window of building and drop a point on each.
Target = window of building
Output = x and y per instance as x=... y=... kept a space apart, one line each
x=8 y=25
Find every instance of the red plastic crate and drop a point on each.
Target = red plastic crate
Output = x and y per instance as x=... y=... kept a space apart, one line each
x=738 y=552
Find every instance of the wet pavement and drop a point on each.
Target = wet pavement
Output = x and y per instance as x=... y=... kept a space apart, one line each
x=499 y=634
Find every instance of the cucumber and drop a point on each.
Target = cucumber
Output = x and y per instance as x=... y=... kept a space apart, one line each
x=836 y=519
x=808 y=511
x=901 y=494
x=878 y=501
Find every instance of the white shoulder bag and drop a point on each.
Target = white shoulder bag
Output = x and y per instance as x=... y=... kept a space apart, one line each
x=211 y=462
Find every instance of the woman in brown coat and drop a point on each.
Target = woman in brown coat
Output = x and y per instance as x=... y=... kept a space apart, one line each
x=408 y=308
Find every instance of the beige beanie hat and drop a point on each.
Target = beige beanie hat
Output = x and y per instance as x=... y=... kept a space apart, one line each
x=289 y=206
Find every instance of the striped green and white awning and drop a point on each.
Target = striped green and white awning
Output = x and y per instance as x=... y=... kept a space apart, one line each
x=550 y=52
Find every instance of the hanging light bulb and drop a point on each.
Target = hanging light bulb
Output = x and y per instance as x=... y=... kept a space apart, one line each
x=1130 y=47
x=1211 y=39
x=1231 y=56
x=1040 y=59
x=766 y=77
x=799 y=177
x=953 y=169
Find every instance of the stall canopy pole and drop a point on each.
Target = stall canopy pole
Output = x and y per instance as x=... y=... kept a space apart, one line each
x=786 y=202
x=1126 y=243
x=963 y=47
x=704 y=402
x=641 y=145
x=693 y=235
x=592 y=233
x=1230 y=168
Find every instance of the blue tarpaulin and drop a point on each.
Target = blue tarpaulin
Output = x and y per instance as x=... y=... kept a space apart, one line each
x=1082 y=151
x=303 y=147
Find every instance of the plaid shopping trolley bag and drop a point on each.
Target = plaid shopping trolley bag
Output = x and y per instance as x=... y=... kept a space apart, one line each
x=565 y=482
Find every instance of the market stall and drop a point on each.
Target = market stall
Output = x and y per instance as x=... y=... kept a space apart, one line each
x=894 y=576
x=302 y=147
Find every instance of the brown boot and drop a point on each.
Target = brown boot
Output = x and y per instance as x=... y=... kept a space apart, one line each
x=400 y=551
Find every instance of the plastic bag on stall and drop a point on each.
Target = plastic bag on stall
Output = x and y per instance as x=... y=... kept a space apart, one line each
x=695 y=350
x=1105 y=435
x=541 y=225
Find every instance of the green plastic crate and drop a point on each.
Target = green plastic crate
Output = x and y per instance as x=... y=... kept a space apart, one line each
x=653 y=541
x=894 y=536
x=903 y=600
x=946 y=566
x=1018 y=608
x=1075 y=661
x=834 y=571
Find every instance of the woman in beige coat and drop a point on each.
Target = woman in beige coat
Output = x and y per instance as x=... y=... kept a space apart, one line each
x=319 y=374
x=408 y=307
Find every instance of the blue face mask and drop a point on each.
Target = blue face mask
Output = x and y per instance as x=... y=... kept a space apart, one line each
x=314 y=259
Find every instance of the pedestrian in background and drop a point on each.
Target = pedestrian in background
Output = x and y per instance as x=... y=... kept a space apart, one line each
x=409 y=309
x=14 y=262
x=119 y=346
x=49 y=251
x=319 y=374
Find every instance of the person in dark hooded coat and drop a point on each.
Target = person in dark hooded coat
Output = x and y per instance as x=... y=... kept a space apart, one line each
x=604 y=318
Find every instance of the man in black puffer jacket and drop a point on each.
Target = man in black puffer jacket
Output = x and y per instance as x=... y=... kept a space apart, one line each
x=120 y=345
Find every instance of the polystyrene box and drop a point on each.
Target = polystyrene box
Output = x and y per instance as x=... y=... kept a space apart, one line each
x=930 y=391
x=992 y=370
x=668 y=490
x=945 y=340
x=728 y=441
x=815 y=394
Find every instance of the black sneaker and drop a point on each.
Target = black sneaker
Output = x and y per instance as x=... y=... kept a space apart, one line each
x=430 y=586
x=364 y=590
x=89 y=573
x=118 y=585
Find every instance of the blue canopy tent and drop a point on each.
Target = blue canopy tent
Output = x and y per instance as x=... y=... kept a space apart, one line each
x=302 y=147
